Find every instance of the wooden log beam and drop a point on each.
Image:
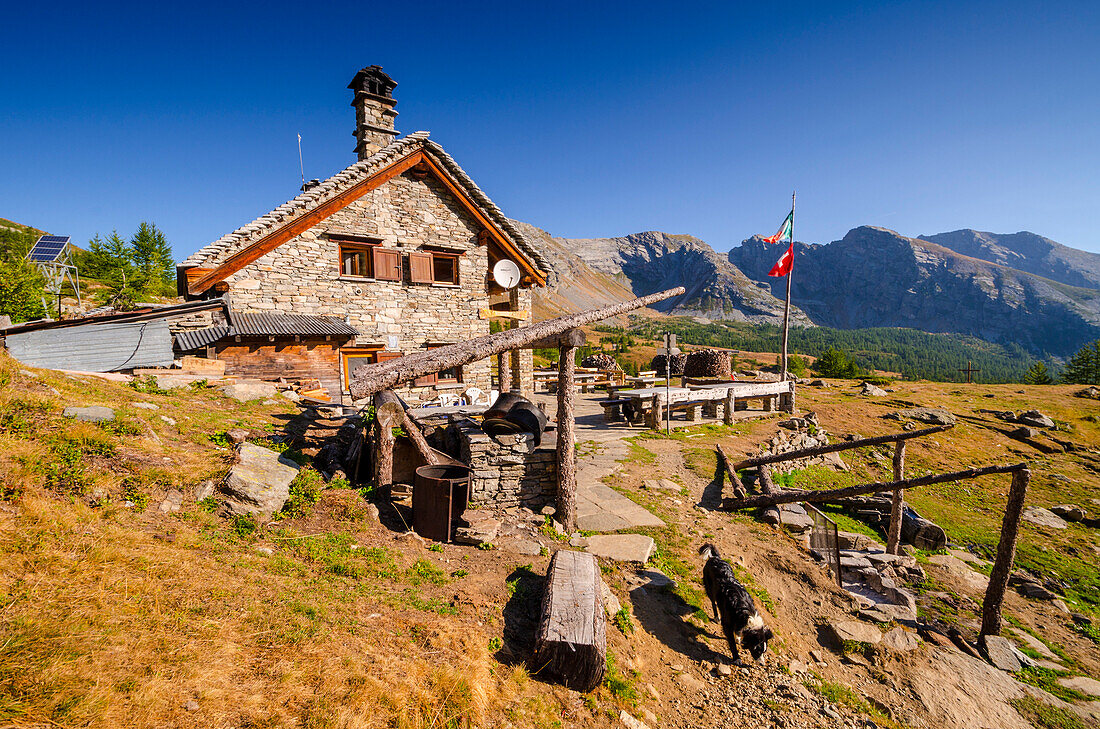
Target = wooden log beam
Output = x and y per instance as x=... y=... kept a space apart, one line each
x=835 y=447
x=429 y=454
x=571 y=642
x=385 y=375
x=386 y=416
x=567 y=439
x=897 y=507
x=770 y=514
x=568 y=338
x=790 y=496
x=738 y=487
x=1006 y=554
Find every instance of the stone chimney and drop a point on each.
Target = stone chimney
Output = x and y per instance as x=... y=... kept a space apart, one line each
x=374 y=110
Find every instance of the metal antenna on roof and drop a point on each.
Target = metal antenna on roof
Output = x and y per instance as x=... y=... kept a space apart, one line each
x=300 y=165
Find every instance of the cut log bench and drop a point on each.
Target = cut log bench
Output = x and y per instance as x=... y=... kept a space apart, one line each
x=571 y=644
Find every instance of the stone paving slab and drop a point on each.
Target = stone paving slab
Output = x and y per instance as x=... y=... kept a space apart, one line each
x=622 y=547
x=601 y=508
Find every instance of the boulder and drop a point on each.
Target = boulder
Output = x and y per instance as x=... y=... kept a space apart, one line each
x=258 y=483
x=932 y=416
x=630 y=722
x=854 y=630
x=796 y=523
x=622 y=547
x=172 y=502
x=1069 y=512
x=1000 y=652
x=900 y=640
x=1084 y=684
x=1091 y=392
x=858 y=542
x=174 y=382
x=204 y=489
x=611 y=604
x=1035 y=419
x=93 y=414
x=145 y=405
x=1043 y=517
x=248 y=391
x=871 y=390
x=1023 y=433
x=479 y=527
x=818 y=383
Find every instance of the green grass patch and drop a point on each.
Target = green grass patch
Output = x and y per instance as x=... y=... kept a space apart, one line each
x=840 y=694
x=1045 y=716
x=624 y=622
x=620 y=683
x=1047 y=680
x=637 y=454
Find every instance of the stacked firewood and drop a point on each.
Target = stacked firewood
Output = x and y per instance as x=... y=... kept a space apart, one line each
x=709 y=363
x=600 y=361
x=678 y=361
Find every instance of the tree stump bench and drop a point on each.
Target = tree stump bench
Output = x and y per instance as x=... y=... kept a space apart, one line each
x=571 y=644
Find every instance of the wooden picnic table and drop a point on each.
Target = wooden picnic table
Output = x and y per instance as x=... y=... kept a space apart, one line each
x=650 y=402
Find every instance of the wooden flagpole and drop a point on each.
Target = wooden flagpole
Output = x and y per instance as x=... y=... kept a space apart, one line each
x=787 y=306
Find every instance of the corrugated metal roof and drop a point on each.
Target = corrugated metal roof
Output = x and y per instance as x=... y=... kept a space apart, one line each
x=106 y=347
x=187 y=341
x=265 y=325
x=144 y=314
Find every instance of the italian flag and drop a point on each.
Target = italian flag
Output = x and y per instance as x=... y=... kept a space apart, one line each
x=784 y=230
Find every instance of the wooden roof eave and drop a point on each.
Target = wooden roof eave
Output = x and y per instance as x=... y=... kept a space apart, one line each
x=252 y=252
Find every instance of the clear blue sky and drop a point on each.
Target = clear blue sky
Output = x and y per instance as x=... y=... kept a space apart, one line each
x=586 y=119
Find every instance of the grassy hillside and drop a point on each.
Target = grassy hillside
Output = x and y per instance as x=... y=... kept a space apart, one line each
x=908 y=352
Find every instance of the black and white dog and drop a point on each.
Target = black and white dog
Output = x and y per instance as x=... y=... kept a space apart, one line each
x=733 y=606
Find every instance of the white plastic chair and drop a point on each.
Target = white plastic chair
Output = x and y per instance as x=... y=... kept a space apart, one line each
x=448 y=399
x=472 y=396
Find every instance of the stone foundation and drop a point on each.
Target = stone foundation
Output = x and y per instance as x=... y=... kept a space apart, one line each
x=507 y=470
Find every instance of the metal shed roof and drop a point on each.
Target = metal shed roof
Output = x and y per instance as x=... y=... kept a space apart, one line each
x=106 y=347
x=265 y=325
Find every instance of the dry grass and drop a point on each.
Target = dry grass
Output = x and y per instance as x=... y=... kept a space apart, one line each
x=105 y=625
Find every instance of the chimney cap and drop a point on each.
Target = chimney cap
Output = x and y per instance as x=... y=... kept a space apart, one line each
x=372 y=80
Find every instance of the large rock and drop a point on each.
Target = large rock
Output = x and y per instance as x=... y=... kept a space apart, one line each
x=1000 y=652
x=961 y=570
x=1069 y=512
x=93 y=414
x=248 y=391
x=1035 y=419
x=901 y=640
x=854 y=630
x=796 y=523
x=259 y=482
x=622 y=547
x=932 y=416
x=479 y=527
x=858 y=542
x=1043 y=517
x=1084 y=684
x=872 y=390
x=1092 y=392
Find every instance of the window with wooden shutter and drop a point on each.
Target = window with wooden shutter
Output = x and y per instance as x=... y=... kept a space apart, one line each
x=420 y=268
x=355 y=260
x=387 y=264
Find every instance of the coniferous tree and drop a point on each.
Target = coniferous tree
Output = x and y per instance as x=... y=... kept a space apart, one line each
x=21 y=290
x=1083 y=367
x=151 y=256
x=1038 y=374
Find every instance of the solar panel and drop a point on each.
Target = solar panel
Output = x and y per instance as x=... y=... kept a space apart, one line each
x=48 y=248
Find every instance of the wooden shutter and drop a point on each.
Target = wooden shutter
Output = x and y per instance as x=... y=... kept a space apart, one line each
x=420 y=267
x=387 y=264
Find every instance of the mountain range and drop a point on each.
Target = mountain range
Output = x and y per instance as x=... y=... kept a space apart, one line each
x=1017 y=288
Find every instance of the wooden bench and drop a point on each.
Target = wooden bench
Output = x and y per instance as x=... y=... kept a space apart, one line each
x=613 y=408
x=571 y=643
x=694 y=408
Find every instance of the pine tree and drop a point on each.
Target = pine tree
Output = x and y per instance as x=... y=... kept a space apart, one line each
x=1038 y=374
x=152 y=260
x=1083 y=367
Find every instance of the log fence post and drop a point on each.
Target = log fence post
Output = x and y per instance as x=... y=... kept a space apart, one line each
x=1006 y=553
x=727 y=412
x=897 y=506
x=567 y=450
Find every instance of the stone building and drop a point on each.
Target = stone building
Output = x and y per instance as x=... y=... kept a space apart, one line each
x=401 y=246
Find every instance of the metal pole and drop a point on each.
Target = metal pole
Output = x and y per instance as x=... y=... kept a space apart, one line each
x=787 y=306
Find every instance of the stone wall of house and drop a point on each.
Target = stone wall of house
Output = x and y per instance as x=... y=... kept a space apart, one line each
x=405 y=214
x=507 y=470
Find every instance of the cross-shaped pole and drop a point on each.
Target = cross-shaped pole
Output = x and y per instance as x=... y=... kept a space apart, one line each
x=970 y=370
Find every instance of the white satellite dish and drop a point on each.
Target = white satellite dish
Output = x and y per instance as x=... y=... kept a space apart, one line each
x=506 y=273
